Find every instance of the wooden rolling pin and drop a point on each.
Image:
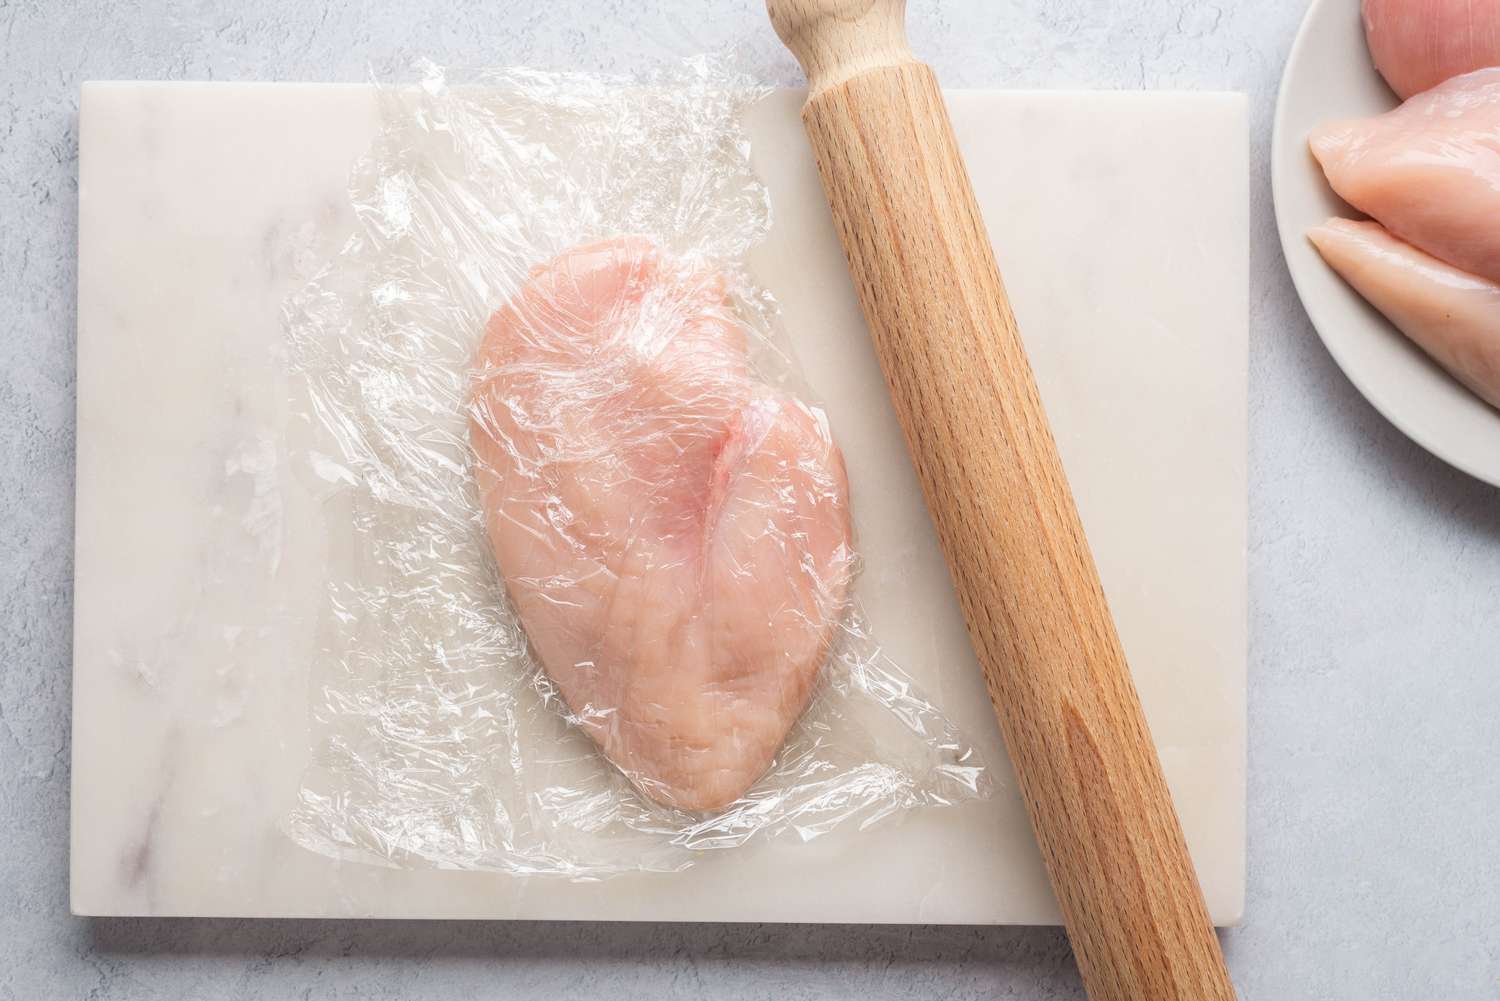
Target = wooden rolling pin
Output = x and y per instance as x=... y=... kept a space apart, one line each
x=989 y=467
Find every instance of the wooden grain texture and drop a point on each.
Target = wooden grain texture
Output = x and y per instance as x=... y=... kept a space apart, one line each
x=963 y=389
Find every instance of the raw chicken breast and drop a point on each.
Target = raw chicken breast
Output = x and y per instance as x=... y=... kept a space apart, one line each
x=1451 y=315
x=1429 y=170
x=1417 y=44
x=673 y=532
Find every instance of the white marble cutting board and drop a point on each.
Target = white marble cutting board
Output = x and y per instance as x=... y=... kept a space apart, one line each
x=1120 y=221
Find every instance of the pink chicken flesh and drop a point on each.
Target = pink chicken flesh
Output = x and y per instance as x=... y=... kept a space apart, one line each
x=1429 y=171
x=1453 y=316
x=673 y=532
x=1417 y=44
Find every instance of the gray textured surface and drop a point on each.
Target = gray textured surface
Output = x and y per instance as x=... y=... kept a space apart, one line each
x=1375 y=571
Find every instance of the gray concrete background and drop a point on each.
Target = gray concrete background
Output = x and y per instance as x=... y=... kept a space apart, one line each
x=1374 y=569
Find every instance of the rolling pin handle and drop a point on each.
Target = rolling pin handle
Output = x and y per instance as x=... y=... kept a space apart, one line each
x=838 y=39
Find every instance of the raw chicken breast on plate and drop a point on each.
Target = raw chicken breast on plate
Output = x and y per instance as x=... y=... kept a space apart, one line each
x=1417 y=44
x=1452 y=315
x=673 y=532
x=1429 y=171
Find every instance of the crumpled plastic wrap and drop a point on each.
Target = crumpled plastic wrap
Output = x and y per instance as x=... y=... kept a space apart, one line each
x=592 y=604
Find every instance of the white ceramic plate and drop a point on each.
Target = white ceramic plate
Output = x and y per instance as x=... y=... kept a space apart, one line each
x=1329 y=75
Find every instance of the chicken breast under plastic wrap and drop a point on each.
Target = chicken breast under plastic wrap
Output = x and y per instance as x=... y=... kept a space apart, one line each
x=673 y=532
x=1429 y=171
x=1453 y=316
x=1417 y=44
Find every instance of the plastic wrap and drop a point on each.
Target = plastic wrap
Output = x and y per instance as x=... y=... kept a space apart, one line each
x=592 y=603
